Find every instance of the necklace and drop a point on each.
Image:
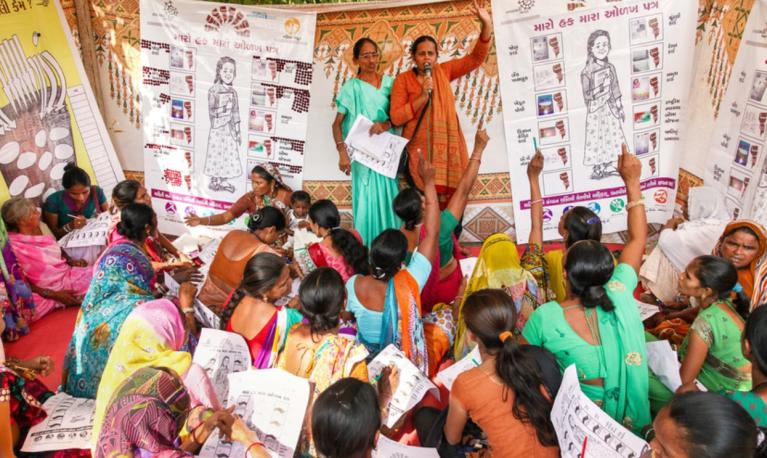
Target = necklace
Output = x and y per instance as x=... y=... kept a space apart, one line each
x=591 y=323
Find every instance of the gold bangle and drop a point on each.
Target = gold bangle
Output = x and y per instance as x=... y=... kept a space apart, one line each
x=635 y=203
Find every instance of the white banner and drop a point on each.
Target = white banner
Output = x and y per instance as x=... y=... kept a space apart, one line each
x=737 y=163
x=585 y=82
x=224 y=89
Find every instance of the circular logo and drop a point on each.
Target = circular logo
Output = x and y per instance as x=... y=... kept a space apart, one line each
x=188 y=211
x=170 y=207
x=292 y=26
x=567 y=209
x=547 y=214
x=617 y=205
x=595 y=207
x=660 y=196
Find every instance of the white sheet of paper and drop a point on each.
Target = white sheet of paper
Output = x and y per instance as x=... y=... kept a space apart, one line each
x=647 y=310
x=470 y=361
x=576 y=418
x=273 y=403
x=387 y=448
x=284 y=300
x=172 y=285
x=221 y=353
x=205 y=316
x=68 y=425
x=379 y=152
x=663 y=361
x=413 y=384
x=94 y=233
x=467 y=266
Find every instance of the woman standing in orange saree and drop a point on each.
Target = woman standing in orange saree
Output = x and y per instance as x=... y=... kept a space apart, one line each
x=439 y=135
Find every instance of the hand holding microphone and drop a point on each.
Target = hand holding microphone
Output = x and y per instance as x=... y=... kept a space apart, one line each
x=428 y=83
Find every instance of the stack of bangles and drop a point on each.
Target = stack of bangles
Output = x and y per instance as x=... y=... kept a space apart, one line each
x=254 y=444
x=635 y=203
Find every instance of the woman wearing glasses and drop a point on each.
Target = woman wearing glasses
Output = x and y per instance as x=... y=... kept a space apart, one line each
x=367 y=94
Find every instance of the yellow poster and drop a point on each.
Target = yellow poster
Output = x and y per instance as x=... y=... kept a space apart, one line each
x=48 y=115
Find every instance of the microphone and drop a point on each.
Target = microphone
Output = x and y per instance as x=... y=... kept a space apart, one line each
x=427 y=72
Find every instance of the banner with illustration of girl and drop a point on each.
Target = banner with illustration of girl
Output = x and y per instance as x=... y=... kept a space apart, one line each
x=737 y=160
x=225 y=88
x=583 y=83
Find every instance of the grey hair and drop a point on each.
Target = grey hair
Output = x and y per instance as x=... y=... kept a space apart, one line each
x=15 y=209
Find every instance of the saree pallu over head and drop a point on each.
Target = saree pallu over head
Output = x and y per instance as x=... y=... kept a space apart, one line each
x=145 y=416
x=19 y=310
x=498 y=266
x=121 y=281
x=152 y=336
x=747 y=276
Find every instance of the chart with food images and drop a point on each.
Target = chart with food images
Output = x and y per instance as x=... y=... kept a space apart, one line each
x=580 y=85
x=226 y=88
x=738 y=164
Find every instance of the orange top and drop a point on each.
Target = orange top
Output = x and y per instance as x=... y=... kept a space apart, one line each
x=446 y=146
x=489 y=405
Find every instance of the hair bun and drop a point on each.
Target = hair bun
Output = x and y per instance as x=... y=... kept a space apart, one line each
x=69 y=166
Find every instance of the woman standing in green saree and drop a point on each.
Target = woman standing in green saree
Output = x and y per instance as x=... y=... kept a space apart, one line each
x=367 y=94
x=597 y=327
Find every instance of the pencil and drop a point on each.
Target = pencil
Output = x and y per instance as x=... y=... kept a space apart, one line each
x=583 y=450
x=535 y=144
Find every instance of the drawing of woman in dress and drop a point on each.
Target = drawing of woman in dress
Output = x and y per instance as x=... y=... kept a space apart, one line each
x=222 y=161
x=604 y=133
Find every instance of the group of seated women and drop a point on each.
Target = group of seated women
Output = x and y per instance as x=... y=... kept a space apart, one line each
x=530 y=316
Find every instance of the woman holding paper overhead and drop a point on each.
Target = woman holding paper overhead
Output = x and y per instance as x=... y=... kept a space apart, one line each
x=366 y=95
x=597 y=327
x=425 y=94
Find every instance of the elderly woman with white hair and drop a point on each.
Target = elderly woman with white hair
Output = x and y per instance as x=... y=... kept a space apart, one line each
x=682 y=241
x=55 y=280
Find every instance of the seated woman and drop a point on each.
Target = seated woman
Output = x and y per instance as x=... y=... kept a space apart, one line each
x=711 y=352
x=339 y=248
x=744 y=244
x=598 y=327
x=67 y=210
x=153 y=335
x=269 y=190
x=446 y=276
x=149 y=415
x=510 y=395
x=122 y=280
x=164 y=255
x=755 y=350
x=56 y=280
x=21 y=397
x=316 y=350
x=703 y=424
x=498 y=266
x=235 y=250
x=347 y=416
x=680 y=242
x=387 y=303
x=250 y=309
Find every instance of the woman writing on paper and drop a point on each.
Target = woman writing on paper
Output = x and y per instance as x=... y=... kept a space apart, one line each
x=439 y=134
x=69 y=209
x=368 y=95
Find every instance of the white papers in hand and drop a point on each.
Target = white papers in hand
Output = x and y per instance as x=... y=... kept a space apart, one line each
x=221 y=353
x=273 y=403
x=380 y=152
x=387 y=448
x=577 y=420
x=470 y=361
x=413 y=384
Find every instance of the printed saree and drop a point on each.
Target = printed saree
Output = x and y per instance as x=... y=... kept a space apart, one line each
x=122 y=279
x=152 y=336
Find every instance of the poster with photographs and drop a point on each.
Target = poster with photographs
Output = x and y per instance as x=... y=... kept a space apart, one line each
x=737 y=163
x=226 y=88
x=581 y=84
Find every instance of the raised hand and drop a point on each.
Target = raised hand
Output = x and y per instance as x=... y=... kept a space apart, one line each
x=535 y=166
x=629 y=166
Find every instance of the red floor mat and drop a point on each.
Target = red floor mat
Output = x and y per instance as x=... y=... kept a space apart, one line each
x=48 y=336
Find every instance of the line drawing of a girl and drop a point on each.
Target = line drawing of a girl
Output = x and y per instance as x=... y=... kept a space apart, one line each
x=604 y=131
x=222 y=160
